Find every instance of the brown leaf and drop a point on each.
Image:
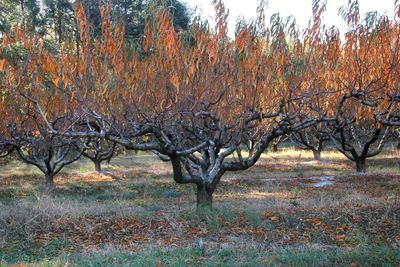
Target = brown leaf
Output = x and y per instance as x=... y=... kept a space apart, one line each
x=2 y=64
x=340 y=237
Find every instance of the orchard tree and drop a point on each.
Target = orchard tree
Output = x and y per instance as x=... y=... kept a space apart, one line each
x=211 y=105
x=387 y=107
x=358 y=136
x=322 y=49
x=49 y=153
x=312 y=138
x=98 y=150
x=216 y=75
x=6 y=108
x=362 y=79
x=23 y=78
x=278 y=141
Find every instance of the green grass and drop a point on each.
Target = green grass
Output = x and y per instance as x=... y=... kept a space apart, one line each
x=359 y=256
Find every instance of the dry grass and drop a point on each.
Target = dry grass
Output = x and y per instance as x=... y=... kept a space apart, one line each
x=135 y=205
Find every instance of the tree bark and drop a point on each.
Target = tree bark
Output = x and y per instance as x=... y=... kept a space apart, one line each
x=50 y=186
x=204 y=197
x=97 y=166
x=59 y=27
x=317 y=154
x=275 y=147
x=361 y=166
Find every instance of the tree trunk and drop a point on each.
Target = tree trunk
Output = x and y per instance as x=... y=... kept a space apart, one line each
x=77 y=43
x=97 y=166
x=361 y=166
x=59 y=27
x=275 y=147
x=50 y=186
x=317 y=154
x=204 y=197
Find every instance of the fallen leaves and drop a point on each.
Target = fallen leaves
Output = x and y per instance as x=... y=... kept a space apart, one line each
x=340 y=237
x=315 y=222
x=341 y=228
x=175 y=225
x=272 y=216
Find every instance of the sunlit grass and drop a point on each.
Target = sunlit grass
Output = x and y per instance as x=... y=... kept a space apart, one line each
x=264 y=204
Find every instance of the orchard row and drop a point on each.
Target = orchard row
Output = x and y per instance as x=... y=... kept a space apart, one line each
x=207 y=103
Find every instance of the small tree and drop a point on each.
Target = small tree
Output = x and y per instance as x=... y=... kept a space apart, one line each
x=357 y=136
x=98 y=150
x=49 y=153
x=277 y=141
x=312 y=138
x=24 y=76
x=361 y=86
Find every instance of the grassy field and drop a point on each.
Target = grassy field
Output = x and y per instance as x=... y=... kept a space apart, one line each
x=288 y=210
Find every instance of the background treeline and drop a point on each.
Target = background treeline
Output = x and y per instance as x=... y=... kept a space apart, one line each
x=56 y=19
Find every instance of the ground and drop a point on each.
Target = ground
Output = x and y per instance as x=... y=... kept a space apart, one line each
x=286 y=210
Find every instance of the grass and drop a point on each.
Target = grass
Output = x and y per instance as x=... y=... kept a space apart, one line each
x=359 y=256
x=271 y=215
